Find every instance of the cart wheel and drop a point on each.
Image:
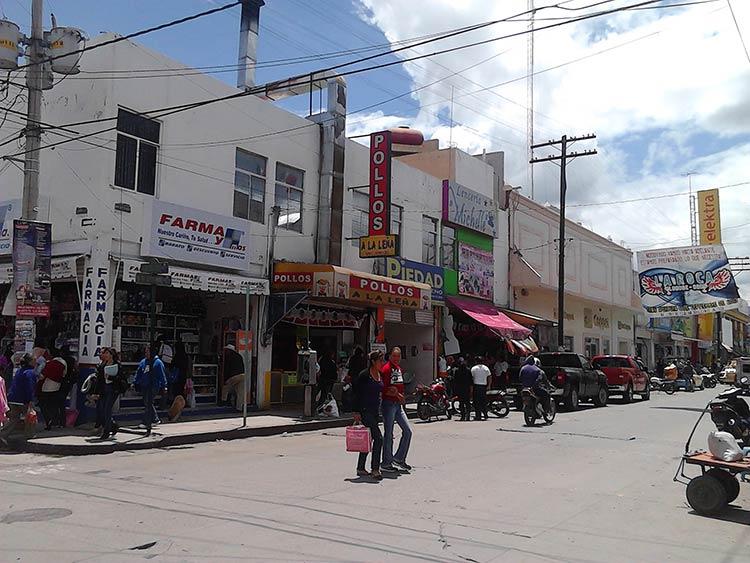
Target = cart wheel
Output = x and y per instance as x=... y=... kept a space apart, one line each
x=706 y=495
x=730 y=482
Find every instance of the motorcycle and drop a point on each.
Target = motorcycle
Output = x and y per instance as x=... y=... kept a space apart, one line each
x=709 y=379
x=659 y=384
x=433 y=401
x=497 y=403
x=731 y=413
x=534 y=409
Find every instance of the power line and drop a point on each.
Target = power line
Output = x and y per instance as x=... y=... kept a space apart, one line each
x=737 y=25
x=649 y=198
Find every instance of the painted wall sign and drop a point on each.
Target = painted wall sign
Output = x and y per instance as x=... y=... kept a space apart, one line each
x=32 y=267
x=193 y=235
x=377 y=246
x=379 y=222
x=709 y=216
x=408 y=270
x=467 y=208
x=94 y=310
x=9 y=211
x=685 y=281
x=476 y=272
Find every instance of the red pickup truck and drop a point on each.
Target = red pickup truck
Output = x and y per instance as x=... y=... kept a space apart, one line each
x=626 y=376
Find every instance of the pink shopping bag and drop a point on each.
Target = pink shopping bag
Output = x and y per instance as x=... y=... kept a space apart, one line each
x=71 y=415
x=358 y=439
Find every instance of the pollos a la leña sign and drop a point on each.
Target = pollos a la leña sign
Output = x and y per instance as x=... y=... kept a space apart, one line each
x=378 y=246
x=379 y=220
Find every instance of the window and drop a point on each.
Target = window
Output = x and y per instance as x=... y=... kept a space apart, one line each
x=429 y=240
x=568 y=343
x=249 y=186
x=137 y=149
x=591 y=346
x=361 y=215
x=289 y=188
x=448 y=247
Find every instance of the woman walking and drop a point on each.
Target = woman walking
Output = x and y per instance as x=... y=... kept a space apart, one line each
x=53 y=374
x=108 y=374
x=368 y=388
x=20 y=396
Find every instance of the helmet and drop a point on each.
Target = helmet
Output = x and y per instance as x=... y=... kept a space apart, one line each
x=89 y=384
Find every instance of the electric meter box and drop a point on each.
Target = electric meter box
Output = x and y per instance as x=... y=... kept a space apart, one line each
x=10 y=36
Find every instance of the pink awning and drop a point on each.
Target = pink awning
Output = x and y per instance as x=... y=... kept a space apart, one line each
x=489 y=316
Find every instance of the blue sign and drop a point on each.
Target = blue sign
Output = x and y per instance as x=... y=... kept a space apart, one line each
x=407 y=270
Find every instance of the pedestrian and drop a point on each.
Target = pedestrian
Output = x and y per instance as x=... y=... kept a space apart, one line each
x=150 y=378
x=393 y=413
x=180 y=371
x=480 y=374
x=462 y=387
x=6 y=365
x=70 y=379
x=501 y=371
x=40 y=354
x=368 y=388
x=53 y=374
x=20 y=396
x=234 y=376
x=356 y=364
x=108 y=373
x=328 y=375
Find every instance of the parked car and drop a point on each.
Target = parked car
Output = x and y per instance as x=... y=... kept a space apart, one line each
x=625 y=376
x=573 y=377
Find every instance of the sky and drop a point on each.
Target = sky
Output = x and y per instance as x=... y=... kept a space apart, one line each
x=666 y=91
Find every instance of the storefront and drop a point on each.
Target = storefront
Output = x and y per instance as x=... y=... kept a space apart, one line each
x=333 y=309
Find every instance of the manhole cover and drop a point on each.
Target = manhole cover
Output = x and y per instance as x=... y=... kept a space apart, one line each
x=36 y=515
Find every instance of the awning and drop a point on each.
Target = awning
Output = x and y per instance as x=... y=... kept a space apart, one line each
x=202 y=280
x=334 y=282
x=63 y=268
x=491 y=317
x=527 y=319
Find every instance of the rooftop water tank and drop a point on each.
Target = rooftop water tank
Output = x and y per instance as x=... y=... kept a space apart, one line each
x=10 y=35
x=64 y=42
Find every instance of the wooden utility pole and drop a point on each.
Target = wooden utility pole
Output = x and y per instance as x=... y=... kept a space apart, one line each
x=562 y=158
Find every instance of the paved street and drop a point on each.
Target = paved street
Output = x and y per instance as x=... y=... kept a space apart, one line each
x=595 y=486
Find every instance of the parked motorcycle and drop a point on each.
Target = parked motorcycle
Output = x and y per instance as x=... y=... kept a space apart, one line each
x=497 y=403
x=659 y=384
x=533 y=408
x=709 y=379
x=731 y=413
x=433 y=401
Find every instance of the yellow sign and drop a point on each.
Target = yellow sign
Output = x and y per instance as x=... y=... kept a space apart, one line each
x=377 y=246
x=709 y=216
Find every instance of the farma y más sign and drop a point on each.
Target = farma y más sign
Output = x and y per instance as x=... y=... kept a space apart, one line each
x=194 y=235
x=467 y=208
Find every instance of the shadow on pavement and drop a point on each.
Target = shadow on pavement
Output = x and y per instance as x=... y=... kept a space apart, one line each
x=359 y=480
x=733 y=514
x=689 y=409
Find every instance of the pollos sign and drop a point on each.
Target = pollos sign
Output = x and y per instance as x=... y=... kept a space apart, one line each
x=379 y=221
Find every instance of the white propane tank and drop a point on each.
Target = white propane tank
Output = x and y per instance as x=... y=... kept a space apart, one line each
x=64 y=43
x=10 y=35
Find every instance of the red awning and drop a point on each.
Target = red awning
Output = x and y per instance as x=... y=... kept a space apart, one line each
x=489 y=316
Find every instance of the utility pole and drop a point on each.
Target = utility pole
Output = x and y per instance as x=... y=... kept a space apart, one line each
x=34 y=114
x=562 y=158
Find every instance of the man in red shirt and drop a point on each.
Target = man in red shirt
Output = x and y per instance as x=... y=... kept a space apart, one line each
x=393 y=412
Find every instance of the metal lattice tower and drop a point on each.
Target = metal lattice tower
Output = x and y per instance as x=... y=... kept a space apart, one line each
x=693 y=209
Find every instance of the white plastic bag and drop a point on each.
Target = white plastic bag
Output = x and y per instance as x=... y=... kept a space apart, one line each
x=329 y=409
x=723 y=446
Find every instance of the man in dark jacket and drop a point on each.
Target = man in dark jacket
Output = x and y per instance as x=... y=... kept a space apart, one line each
x=328 y=375
x=462 y=387
x=20 y=396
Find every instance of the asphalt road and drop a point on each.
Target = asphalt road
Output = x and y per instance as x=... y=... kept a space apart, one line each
x=594 y=486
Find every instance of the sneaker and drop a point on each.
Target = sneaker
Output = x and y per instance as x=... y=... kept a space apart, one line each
x=363 y=473
x=402 y=465
x=376 y=474
x=388 y=469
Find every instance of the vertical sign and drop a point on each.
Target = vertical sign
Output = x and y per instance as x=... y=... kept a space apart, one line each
x=379 y=222
x=709 y=216
x=32 y=267
x=95 y=303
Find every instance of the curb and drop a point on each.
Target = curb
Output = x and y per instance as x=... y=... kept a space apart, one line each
x=181 y=440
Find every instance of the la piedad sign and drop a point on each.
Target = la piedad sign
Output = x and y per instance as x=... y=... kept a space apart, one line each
x=379 y=241
x=322 y=280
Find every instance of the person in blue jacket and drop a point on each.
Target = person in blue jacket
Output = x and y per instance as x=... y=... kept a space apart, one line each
x=150 y=379
x=20 y=395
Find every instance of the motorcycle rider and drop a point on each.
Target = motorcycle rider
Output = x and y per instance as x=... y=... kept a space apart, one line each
x=534 y=378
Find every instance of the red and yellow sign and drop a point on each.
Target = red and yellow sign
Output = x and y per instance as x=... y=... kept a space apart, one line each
x=323 y=280
x=244 y=340
x=378 y=246
x=709 y=216
x=379 y=222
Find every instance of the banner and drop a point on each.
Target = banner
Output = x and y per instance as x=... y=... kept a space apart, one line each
x=193 y=235
x=467 y=208
x=476 y=269
x=709 y=216
x=408 y=270
x=379 y=222
x=9 y=210
x=32 y=266
x=686 y=281
x=96 y=308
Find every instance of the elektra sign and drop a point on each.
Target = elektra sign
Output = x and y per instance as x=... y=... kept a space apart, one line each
x=467 y=208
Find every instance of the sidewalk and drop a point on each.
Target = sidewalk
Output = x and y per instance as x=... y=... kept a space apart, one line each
x=85 y=441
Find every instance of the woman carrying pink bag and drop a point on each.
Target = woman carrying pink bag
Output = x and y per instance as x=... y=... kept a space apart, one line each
x=367 y=389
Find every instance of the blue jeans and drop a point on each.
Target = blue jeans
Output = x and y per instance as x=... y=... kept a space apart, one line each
x=394 y=413
x=149 y=410
x=109 y=402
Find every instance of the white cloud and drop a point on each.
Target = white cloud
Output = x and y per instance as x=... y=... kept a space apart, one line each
x=663 y=79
